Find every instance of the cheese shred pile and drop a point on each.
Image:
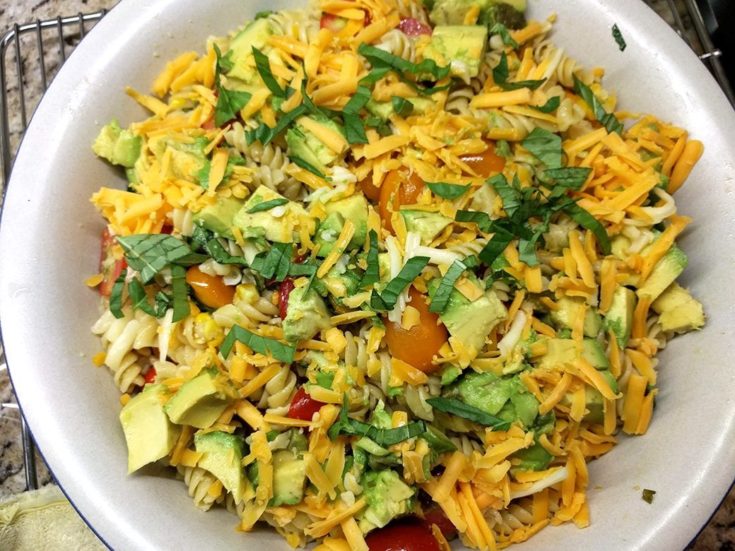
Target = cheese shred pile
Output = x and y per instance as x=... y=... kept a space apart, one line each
x=378 y=262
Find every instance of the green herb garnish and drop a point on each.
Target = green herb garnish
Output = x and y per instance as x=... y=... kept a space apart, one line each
x=608 y=120
x=264 y=70
x=116 y=297
x=550 y=106
x=545 y=146
x=441 y=297
x=388 y=298
x=648 y=495
x=268 y=205
x=372 y=272
x=618 y=36
x=402 y=107
x=504 y=33
x=447 y=191
x=149 y=253
x=460 y=409
x=382 y=437
x=180 y=293
x=262 y=345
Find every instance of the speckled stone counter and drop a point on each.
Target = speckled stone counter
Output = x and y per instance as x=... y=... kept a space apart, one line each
x=719 y=534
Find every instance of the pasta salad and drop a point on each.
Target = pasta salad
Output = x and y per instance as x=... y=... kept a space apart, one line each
x=389 y=271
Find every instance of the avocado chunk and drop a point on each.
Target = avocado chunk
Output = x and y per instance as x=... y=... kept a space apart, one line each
x=460 y=46
x=289 y=477
x=564 y=351
x=353 y=208
x=305 y=145
x=148 y=432
x=664 y=273
x=506 y=12
x=222 y=456
x=471 y=322
x=678 y=310
x=568 y=312
x=387 y=498
x=254 y=35
x=307 y=315
x=384 y=109
x=427 y=224
x=200 y=401
x=340 y=285
x=619 y=318
x=117 y=145
x=279 y=224
x=218 y=217
x=509 y=13
x=186 y=159
x=506 y=397
x=594 y=402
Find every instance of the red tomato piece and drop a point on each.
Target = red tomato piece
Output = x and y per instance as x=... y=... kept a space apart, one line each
x=435 y=515
x=407 y=534
x=150 y=375
x=283 y=293
x=413 y=27
x=110 y=270
x=303 y=406
x=332 y=22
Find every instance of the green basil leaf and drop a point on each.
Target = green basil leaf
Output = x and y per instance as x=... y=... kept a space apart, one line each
x=545 y=146
x=298 y=161
x=568 y=177
x=496 y=246
x=262 y=345
x=265 y=134
x=163 y=303
x=358 y=100
x=510 y=196
x=483 y=221
x=587 y=221
x=608 y=120
x=502 y=30
x=229 y=103
x=354 y=129
x=139 y=298
x=382 y=59
x=149 y=253
x=447 y=191
x=372 y=272
x=116 y=297
x=440 y=300
x=382 y=437
x=264 y=70
x=203 y=174
x=401 y=107
x=531 y=84
x=500 y=71
x=221 y=255
x=388 y=298
x=268 y=205
x=180 y=293
x=374 y=75
x=618 y=36
x=460 y=409
x=502 y=148
x=276 y=263
x=550 y=106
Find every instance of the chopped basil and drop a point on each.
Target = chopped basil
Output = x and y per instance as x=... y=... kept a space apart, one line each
x=149 y=253
x=545 y=146
x=372 y=272
x=587 y=221
x=401 y=107
x=298 y=161
x=608 y=120
x=531 y=84
x=139 y=298
x=501 y=73
x=382 y=59
x=388 y=298
x=268 y=205
x=511 y=197
x=220 y=254
x=550 y=106
x=502 y=148
x=460 y=409
x=374 y=75
x=264 y=69
x=502 y=30
x=116 y=297
x=567 y=177
x=648 y=495
x=618 y=36
x=325 y=379
x=482 y=219
x=229 y=102
x=441 y=297
x=276 y=263
x=180 y=293
x=382 y=437
x=358 y=100
x=262 y=345
x=354 y=129
x=265 y=134
x=496 y=246
x=447 y=191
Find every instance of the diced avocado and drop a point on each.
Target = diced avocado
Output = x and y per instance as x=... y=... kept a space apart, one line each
x=452 y=12
x=533 y=458
x=307 y=315
x=594 y=402
x=255 y=34
x=678 y=310
x=384 y=109
x=471 y=322
x=353 y=208
x=437 y=440
x=564 y=351
x=505 y=397
x=222 y=456
x=619 y=247
x=387 y=498
x=509 y=13
x=185 y=158
x=427 y=224
x=664 y=273
x=118 y=146
x=279 y=224
x=568 y=311
x=340 y=285
x=619 y=318
x=218 y=217
x=148 y=432
x=450 y=374
x=201 y=400
x=460 y=46
x=303 y=144
x=289 y=476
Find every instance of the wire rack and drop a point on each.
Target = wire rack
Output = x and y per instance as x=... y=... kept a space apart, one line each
x=43 y=46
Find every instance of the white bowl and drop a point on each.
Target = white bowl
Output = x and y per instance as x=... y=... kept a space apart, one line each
x=50 y=238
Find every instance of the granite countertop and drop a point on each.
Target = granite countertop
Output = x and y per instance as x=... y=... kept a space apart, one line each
x=719 y=534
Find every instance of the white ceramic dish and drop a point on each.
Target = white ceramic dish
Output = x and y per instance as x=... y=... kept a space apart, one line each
x=50 y=238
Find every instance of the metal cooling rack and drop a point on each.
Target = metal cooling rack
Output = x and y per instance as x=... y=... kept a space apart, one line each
x=43 y=46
